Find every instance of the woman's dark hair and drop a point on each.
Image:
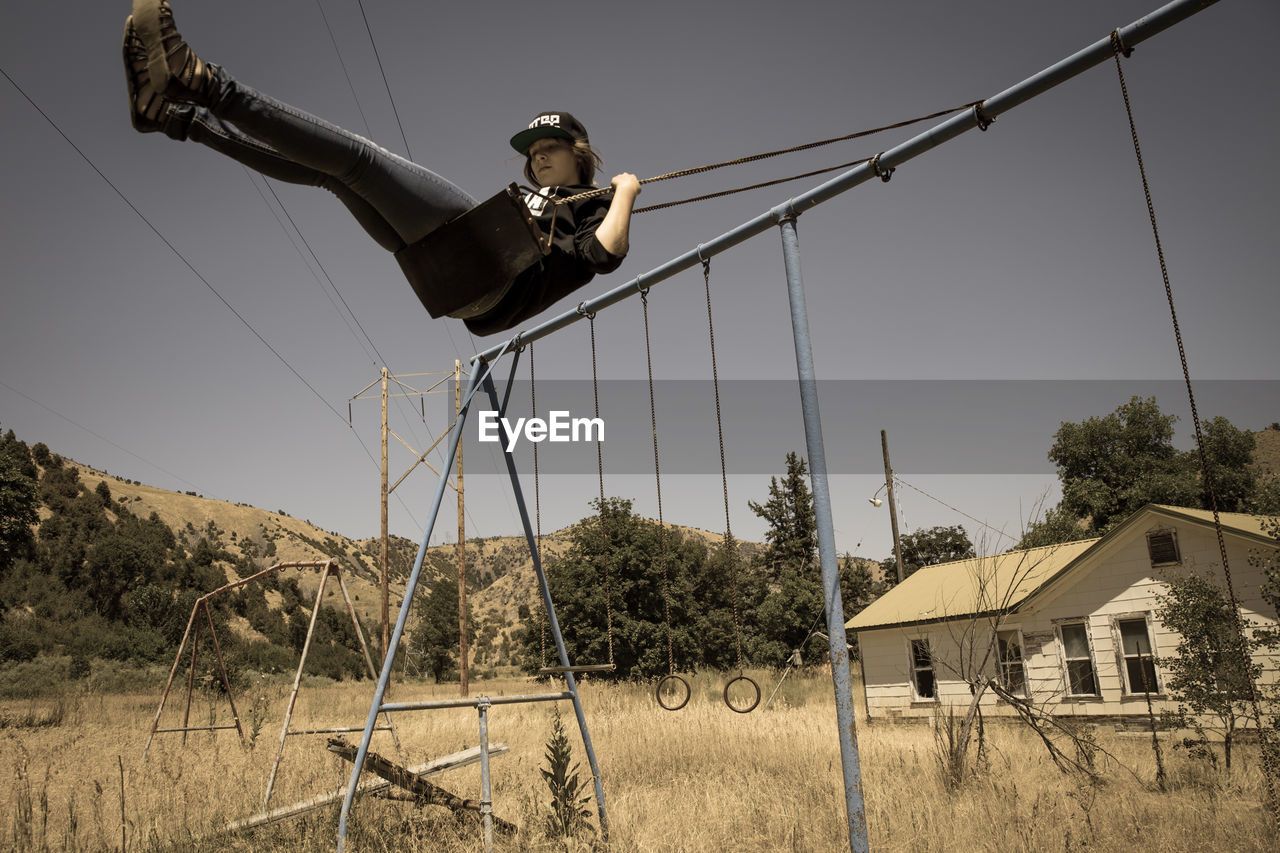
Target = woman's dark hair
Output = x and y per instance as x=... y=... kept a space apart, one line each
x=585 y=156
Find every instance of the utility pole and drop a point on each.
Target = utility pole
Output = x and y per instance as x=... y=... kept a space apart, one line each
x=385 y=561
x=893 y=504
x=462 y=541
x=385 y=379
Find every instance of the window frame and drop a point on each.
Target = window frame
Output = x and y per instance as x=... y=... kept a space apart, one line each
x=1122 y=659
x=1025 y=689
x=1064 y=662
x=913 y=670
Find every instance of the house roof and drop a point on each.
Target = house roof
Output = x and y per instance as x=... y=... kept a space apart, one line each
x=1005 y=581
x=966 y=587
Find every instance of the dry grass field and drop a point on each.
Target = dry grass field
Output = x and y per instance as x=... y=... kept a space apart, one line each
x=700 y=779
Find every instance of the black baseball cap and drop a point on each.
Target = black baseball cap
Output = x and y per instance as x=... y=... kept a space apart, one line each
x=552 y=124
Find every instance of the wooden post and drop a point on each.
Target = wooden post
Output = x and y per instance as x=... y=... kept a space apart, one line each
x=462 y=543
x=386 y=635
x=893 y=505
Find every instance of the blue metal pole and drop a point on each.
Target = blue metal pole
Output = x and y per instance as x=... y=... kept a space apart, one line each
x=855 y=810
x=384 y=679
x=1097 y=53
x=554 y=623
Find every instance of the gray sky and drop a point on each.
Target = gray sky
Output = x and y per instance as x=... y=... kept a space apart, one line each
x=1022 y=253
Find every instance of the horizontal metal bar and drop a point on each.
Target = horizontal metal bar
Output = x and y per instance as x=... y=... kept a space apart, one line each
x=335 y=731
x=594 y=667
x=475 y=702
x=1100 y=51
x=196 y=729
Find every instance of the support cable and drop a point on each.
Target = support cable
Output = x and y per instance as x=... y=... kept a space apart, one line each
x=1268 y=751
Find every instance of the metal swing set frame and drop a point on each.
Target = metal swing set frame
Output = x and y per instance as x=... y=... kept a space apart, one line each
x=783 y=217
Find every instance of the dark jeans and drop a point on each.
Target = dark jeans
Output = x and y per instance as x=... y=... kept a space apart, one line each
x=395 y=200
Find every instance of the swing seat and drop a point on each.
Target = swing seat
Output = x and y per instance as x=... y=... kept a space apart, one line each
x=464 y=267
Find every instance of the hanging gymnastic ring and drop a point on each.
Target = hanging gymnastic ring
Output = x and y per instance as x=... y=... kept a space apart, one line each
x=657 y=692
x=732 y=707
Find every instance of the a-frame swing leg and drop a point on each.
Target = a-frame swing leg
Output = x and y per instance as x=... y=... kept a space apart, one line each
x=330 y=569
x=193 y=634
x=481 y=373
x=553 y=623
x=173 y=671
x=851 y=767
x=222 y=670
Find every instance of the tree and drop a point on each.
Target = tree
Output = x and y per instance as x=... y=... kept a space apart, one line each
x=858 y=586
x=793 y=528
x=1210 y=672
x=1112 y=466
x=435 y=636
x=927 y=547
x=19 y=510
x=1229 y=452
x=699 y=582
x=792 y=599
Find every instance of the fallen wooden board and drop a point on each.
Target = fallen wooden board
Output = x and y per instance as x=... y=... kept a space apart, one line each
x=369 y=786
x=427 y=792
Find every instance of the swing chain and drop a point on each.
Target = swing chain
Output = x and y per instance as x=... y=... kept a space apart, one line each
x=1119 y=49
x=599 y=191
x=657 y=476
x=537 y=506
x=729 y=542
x=604 y=530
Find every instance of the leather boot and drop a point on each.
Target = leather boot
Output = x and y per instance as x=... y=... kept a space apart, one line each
x=173 y=66
x=146 y=104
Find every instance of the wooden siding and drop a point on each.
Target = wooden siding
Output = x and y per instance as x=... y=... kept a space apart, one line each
x=1115 y=583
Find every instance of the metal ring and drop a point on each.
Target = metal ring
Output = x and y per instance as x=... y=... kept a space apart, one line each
x=590 y=315
x=732 y=707
x=657 y=692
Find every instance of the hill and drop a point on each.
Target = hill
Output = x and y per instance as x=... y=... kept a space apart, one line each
x=182 y=545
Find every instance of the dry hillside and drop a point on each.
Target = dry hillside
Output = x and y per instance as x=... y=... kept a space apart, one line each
x=500 y=573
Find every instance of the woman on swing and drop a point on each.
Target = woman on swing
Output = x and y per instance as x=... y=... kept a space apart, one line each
x=397 y=202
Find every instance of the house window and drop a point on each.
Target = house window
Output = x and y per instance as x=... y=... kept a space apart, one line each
x=1013 y=676
x=1162 y=547
x=1078 y=659
x=922 y=670
x=1138 y=656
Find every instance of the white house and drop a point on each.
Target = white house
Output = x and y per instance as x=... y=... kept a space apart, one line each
x=1074 y=625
